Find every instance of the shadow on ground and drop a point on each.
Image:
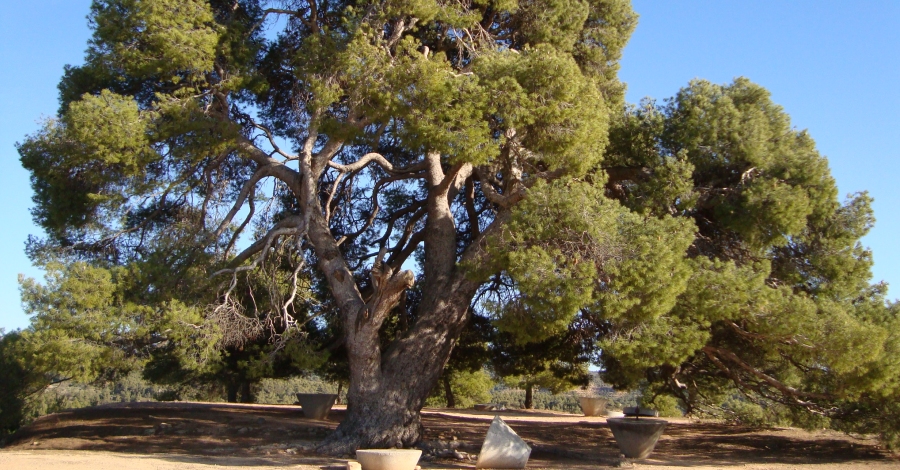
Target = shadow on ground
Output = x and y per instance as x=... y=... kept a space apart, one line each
x=233 y=435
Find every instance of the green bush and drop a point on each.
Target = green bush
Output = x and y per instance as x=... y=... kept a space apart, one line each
x=667 y=405
x=543 y=399
x=15 y=379
x=68 y=395
x=468 y=388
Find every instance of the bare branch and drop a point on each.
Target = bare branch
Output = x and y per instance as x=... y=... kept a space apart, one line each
x=505 y=201
x=280 y=11
x=293 y=225
x=271 y=139
x=395 y=216
x=240 y=229
x=376 y=208
x=279 y=169
x=380 y=160
x=397 y=258
x=334 y=187
x=786 y=390
x=474 y=225
x=249 y=186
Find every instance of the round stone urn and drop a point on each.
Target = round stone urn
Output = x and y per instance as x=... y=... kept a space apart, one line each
x=316 y=405
x=388 y=459
x=636 y=437
x=592 y=406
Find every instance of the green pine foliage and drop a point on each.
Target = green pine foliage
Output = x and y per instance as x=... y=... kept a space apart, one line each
x=468 y=388
x=778 y=304
x=698 y=244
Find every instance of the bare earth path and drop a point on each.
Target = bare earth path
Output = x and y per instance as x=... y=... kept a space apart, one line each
x=200 y=436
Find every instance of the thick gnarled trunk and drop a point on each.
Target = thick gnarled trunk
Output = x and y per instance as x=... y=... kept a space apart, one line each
x=386 y=394
x=388 y=389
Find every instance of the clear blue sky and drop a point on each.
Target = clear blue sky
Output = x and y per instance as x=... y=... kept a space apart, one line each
x=834 y=65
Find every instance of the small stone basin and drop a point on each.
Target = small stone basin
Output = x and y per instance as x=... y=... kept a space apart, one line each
x=592 y=406
x=316 y=405
x=388 y=459
x=636 y=437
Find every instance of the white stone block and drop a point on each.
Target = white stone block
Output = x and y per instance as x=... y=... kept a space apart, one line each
x=502 y=448
x=351 y=465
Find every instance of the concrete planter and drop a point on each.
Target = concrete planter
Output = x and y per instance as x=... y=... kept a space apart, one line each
x=316 y=405
x=592 y=406
x=636 y=437
x=388 y=459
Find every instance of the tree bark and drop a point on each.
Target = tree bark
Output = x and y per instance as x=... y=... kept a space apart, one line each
x=529 y=396
x=448 y=392
x=246 y=391
x=387 y=390
x=232 y=391
x=383 y=408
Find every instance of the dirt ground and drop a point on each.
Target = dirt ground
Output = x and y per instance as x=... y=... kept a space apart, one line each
x=179 y=435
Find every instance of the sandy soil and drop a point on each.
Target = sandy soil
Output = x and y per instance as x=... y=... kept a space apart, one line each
x=145 y=436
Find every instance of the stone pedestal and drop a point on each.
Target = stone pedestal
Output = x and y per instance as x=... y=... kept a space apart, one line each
x=316 y=405
x=388 y=459
x=502 y=448
x=636 y=437
x=592 y=406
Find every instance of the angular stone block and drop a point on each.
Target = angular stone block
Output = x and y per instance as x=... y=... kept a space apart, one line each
x=388 y=459
x=502 y=448
x=636 y=438
x=316 y=405
x=638 y=411
x=351 y=465
x=614 y=414
x=592 y=406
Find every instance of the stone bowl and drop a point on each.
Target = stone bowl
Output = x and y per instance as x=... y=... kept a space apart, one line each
x=592 y=406
x=388 y=459
x=636 y=438
x=316 y=405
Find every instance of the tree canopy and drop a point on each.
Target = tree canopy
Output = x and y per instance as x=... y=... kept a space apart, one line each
x=276 y=170
x=778 y=305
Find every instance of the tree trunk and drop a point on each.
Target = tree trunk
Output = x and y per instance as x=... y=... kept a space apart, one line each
x=246 y=392
x=448 y=392
x=529 y=397
x=383 y=408
x=388 y=389
x=232 y=391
